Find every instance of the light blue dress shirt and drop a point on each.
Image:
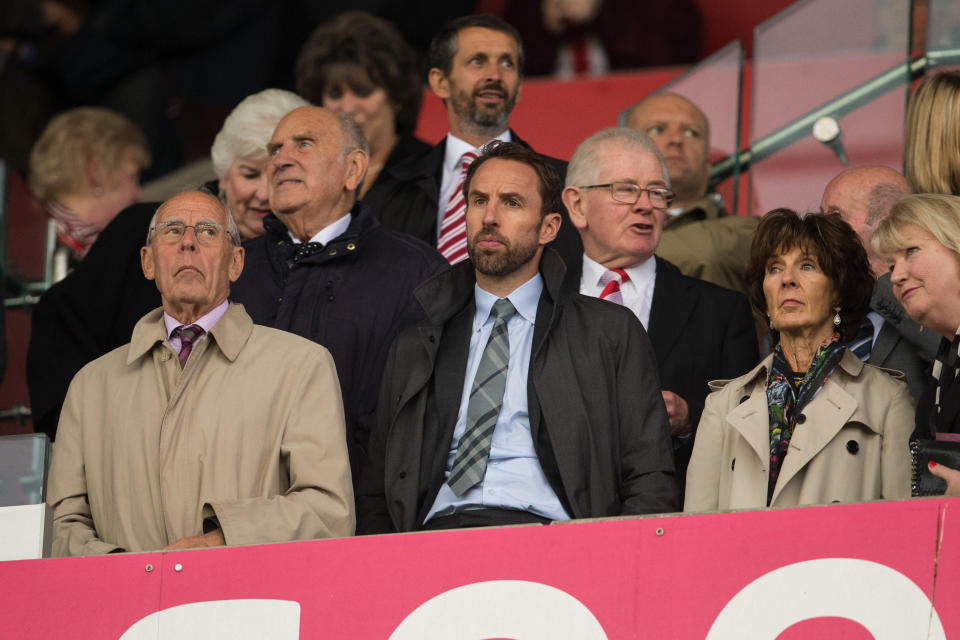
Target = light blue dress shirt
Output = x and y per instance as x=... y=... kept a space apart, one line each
x=514 y=478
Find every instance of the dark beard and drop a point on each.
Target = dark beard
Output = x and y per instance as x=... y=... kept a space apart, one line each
x=474 y=117
x=503 y=263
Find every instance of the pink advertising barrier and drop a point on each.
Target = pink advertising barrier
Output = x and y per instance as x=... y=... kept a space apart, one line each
x=879 y=570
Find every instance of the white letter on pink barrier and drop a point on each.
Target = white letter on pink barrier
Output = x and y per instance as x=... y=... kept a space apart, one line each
x=221 y=619
x=886 y=602
x=501 y=609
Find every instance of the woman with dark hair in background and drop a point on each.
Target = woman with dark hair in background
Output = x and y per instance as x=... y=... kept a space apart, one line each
x=360 y=65
x=811 y=424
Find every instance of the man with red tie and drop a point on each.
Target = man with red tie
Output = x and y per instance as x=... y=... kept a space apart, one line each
x=205 y=429
x=618 y=188
x=476 y=68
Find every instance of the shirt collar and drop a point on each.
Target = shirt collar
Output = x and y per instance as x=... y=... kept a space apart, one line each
x=206 y=321
x=639 y=273
x=524 y=299
x=456 y=147
x=329 y=232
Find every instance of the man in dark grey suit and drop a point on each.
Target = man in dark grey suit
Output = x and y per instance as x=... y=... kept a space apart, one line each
x=863 y=197
x=618 y=188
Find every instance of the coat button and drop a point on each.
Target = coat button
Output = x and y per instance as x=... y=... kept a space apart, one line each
x=743 y=399
x=853 y=446
x=433 y=338
x=801 y=419
x=351 y=247
x=733 y=464
x=403 y=474
x=164 y=356
x=333 y=252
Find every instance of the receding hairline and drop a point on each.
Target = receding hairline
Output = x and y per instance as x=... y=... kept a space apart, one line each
x=188 y=195
x=628 y=113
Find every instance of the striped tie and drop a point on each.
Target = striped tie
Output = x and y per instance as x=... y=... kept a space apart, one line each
x=862 y=344
x=188 y=336
x=453 y=230
x=483 y=408
x=611 y=281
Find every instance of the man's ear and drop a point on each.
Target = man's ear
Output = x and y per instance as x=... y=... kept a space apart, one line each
x=357 y=162
x=573 y=199
x=236 y=263
x=549 y=227
x=146 y=262
x=439 y=83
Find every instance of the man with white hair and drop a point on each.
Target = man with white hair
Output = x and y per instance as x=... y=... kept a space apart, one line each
x=326 y=269
x=617 y=190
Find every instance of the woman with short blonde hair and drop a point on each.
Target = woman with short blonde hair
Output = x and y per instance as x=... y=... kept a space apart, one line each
x=85 y=168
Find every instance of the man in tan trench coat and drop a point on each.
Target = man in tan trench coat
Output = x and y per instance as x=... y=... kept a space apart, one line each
x=205 y=429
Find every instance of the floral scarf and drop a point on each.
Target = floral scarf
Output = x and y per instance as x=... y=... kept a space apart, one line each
x=786 y=399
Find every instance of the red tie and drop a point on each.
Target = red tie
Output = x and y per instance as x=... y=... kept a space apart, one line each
x=453 y=230
x=612 y=279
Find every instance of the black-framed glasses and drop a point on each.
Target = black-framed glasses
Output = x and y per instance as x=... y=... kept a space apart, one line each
x=171 y=231
x=629 y=193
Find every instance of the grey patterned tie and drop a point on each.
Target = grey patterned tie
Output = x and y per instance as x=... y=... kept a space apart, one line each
x=483 y=408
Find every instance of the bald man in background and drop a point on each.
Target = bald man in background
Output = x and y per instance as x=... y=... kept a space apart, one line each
x=863 y=197
x=699 y=237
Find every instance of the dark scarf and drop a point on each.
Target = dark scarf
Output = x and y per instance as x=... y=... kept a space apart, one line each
x=786 y=400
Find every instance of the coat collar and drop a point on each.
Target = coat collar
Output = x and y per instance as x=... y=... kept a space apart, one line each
x=281 y=249
x=230 y=333
x=825 y=417
x=706 y=208
x=674 y=299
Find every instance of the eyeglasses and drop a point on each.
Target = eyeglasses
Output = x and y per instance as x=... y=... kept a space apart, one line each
x=171 y=231
x=629 y=193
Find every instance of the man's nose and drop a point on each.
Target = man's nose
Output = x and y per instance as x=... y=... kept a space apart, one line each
x=491 y=216
x=280 y=158
x=188 y=241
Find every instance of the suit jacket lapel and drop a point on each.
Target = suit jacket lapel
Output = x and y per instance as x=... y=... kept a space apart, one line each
x=673 y=302
x=884 y=345
x=447 y=383
x=752 y=421
x=425 y=172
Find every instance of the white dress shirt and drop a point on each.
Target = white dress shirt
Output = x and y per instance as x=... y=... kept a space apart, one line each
x=328 y=233
x=637 y=292
x=514 y=478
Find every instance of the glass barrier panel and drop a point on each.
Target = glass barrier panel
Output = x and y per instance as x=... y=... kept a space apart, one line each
x=943 y=33
x=714 y=85
x=23 y=469
x=829 y=91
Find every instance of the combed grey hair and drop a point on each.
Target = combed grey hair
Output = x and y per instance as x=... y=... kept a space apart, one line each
x=232 y=229
x=249 y=127
x=353 y=139
x=584 y=166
